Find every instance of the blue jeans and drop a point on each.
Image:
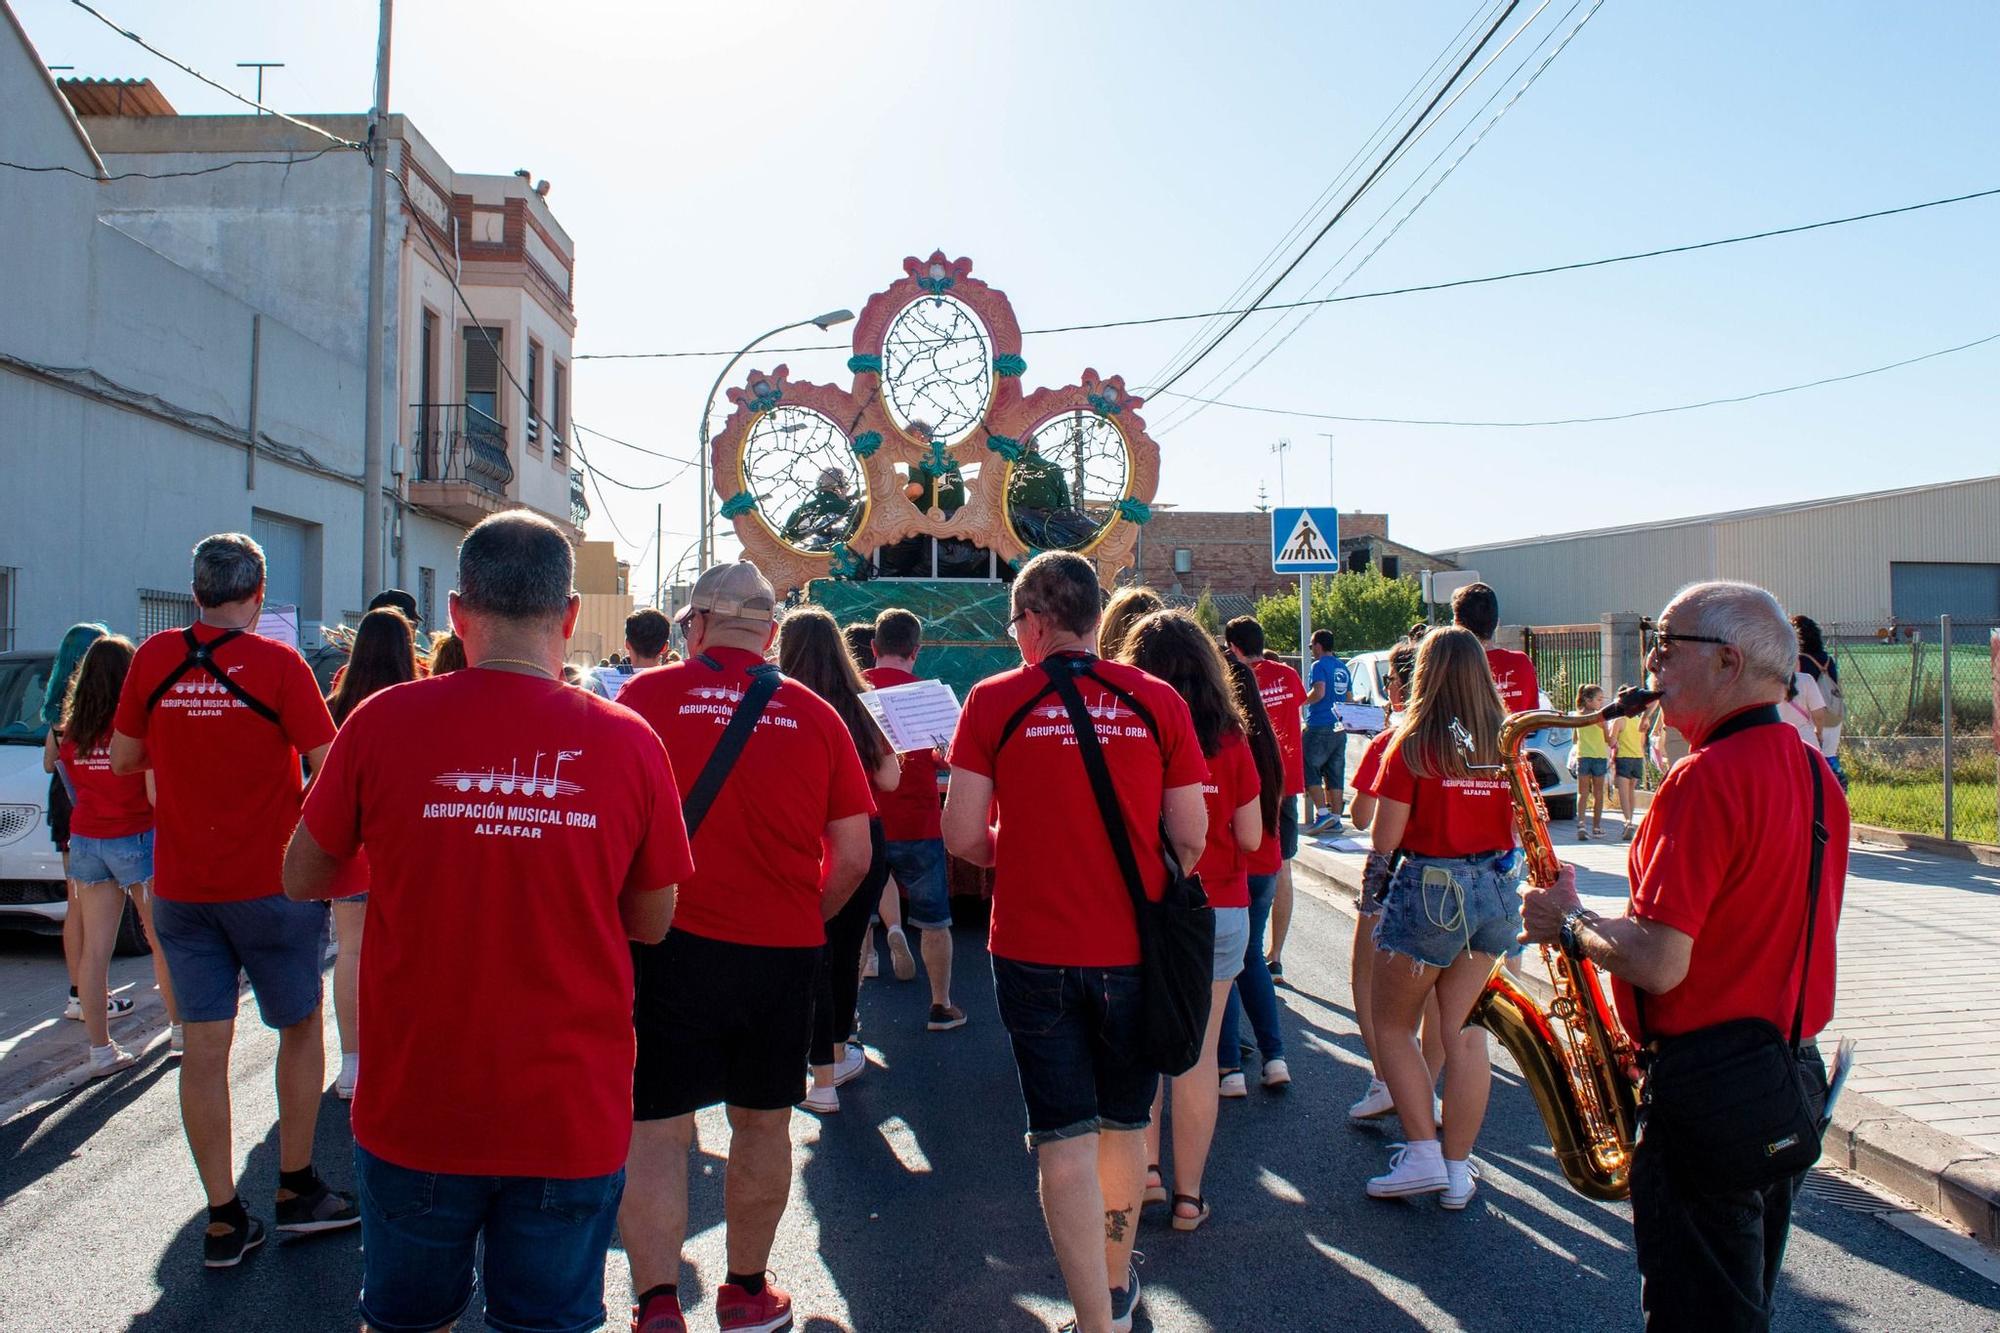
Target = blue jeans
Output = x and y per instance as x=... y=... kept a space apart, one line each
x=1253 y=992
x=1074 y=1032
x=544 y=1257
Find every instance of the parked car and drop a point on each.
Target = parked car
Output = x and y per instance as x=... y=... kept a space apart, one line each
x=1547 y=750
x=32 y=892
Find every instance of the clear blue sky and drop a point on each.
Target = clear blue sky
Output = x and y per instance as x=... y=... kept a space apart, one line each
x=725 y=167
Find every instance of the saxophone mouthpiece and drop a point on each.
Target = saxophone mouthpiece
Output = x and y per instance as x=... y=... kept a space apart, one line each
x=1630 y=701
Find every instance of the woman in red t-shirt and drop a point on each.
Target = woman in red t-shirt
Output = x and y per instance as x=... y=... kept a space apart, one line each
x=1254 y=995
x=110 y=846
x=1173 y=647
x=384 y=654
x=1444 y=820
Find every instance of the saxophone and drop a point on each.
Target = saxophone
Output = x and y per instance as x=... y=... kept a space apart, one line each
x=1582 y=1067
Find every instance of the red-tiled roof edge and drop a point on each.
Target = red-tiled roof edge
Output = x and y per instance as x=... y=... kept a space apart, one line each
x=115 y=97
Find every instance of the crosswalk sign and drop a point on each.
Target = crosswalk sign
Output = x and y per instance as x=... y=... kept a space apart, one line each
x=1305 y=541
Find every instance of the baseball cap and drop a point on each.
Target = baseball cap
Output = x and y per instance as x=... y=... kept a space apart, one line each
x=736 y=591
x=397 y=600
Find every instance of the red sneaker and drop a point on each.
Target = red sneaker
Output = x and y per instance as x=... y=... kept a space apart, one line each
x=662 y=1314
x=769 y=1311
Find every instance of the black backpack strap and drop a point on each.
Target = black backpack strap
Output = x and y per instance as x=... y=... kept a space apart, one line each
x=1816 y=861
x=1013 y=723
x=1062 y=677
x=202 y=655
x=764 y=682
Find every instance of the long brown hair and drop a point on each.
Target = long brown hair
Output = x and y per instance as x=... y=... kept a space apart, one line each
x=1127 y=607
x=1263 y=741
x=1171 y=646
x=812 y=651
x=447 y=654
x=92 y=700
x=1453 y=685
x=384 y=654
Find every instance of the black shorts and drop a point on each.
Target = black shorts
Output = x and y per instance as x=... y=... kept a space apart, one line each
x=59 y=810
x=720 y=1022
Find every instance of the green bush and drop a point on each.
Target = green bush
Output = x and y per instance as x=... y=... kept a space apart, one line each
x=1364 y=612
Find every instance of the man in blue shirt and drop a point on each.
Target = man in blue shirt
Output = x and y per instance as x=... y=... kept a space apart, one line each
x=1326 y=737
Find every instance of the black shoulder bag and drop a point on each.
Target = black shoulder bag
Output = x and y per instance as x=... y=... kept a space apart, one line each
x=1177 y=933
x=1726 y=1104
x=764 y=682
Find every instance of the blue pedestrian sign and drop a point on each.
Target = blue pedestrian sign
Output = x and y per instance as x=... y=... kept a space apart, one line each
x=1305 y=541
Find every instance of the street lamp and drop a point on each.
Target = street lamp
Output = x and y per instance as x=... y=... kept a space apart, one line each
x=705 y=535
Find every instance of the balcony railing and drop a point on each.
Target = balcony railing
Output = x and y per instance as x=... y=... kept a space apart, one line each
x=458 y=442
x=579 y=507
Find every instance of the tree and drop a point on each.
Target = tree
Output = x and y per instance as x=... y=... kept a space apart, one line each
x=1364 y=611
x=1206 y=615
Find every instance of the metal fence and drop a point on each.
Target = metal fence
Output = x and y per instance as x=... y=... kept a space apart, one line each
x=1917 y=741
x=1566 y=658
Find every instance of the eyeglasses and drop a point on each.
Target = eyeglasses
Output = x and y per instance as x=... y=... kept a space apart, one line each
x=1663 y=641
x=1014 y=625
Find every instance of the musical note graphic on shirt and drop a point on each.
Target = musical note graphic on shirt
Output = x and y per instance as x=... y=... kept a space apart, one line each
x=533 y=785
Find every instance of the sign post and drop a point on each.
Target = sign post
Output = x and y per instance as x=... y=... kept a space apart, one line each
x=1305 y=541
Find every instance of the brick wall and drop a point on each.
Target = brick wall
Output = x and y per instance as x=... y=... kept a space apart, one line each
x=1230 y=552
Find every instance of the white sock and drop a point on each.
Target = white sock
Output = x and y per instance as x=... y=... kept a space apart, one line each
x=350 y=1064
x=101 y=1053
x=1458 y=1171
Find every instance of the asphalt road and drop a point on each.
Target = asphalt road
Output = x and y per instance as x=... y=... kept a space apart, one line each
x=914 y=1208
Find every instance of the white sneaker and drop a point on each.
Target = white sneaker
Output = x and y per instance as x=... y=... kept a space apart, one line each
x=871 y=966
x=900 y=956
x=1410 y=1172
x=1277 y=1074
x=1462 y=1182
x=851 y=1065
x=1233 y=1085
x=74 y=1009
x=176 y=1041
x=823 y=1100
x=109 y=1059
x=350 y=1072
x=1374 y=1104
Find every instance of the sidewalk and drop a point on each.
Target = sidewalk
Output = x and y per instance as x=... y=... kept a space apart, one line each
x=1919 y=989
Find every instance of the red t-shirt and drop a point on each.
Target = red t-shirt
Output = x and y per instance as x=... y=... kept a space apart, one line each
x=1368 y=773
x=1232 y=782
x=1059 y=898
x=503 y=815
x=1448 y=816
x=1284 y=694
x=227 y=778
x=911 y=812
x=760 y=855
x=106 y=805
x=1722 y=856
x=1514 y=677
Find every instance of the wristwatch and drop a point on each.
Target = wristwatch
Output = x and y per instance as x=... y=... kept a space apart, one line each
x=1570 y=943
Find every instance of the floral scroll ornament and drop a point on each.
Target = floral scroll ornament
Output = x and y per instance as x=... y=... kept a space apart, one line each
x=864 y=365
x=1004 y=447
x=937 y=275
x=845 y=563
x=1009 y=367
x=866 y=443
x=1135 y=509
x=740 y=503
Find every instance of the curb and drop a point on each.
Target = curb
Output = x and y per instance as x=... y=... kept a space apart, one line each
x=77 y=1075
x=1941 y=1173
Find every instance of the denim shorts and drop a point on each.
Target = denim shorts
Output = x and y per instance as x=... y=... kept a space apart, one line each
x=1288 y=827
x=1075 y=1032
x=129 y=859
x=1592 y=768
x=1232 y=936
x=1326 y=759
x=543 y=1262
x=210 y=947
x=1631 y=769
x=918 y=865
x=1439 y=908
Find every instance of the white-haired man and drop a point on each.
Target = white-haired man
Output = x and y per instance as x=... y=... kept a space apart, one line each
x=1721 y=927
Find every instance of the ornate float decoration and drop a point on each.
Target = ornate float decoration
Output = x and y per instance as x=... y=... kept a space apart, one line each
x=934 y=438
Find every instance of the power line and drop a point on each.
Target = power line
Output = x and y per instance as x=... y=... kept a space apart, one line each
x=636 y=448
x=1279 y=307
x=1613 y=416
x=292 y=161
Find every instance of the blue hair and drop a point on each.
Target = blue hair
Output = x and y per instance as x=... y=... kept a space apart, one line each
x=75 y=643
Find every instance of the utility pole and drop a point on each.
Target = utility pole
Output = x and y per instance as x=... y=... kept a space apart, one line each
x=378 y=227
x=1327 y=435
x=659 y=554
x=1279 y=449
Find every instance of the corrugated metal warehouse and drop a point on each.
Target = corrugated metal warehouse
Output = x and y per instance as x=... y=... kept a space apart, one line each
x=1905 y=555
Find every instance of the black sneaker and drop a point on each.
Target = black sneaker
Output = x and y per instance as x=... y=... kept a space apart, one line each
x=223 y=1246
x=945 y=1017
x=322 y=1210
x=1125 y=1299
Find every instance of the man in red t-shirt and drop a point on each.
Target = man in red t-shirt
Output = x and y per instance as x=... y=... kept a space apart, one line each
x=1064 y=941
x=1716 y=929
x=911 y=823
x=222 y=717
x=518 y=833
x=725 y=1001
x=1477 y=607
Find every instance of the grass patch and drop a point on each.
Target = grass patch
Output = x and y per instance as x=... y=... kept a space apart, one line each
x=1908 y=794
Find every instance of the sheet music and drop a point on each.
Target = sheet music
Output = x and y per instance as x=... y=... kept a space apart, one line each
x=916 y=716
x=1843 y=1065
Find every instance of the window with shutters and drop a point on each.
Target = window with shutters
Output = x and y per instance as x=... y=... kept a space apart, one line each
x=482 y=380
x=558 y=404
x=160 y=610
x=534 y=388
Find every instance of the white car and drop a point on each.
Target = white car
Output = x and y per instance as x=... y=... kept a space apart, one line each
x=32 y=893
x=1547 y=750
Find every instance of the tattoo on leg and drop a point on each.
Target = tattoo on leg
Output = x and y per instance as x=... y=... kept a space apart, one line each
x=1116 y=1222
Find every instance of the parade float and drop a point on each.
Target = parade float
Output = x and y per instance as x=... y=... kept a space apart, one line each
x=934 y=475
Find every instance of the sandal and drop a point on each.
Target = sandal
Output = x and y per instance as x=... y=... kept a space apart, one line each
x=1190 y=1223
x=1156 y=1190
